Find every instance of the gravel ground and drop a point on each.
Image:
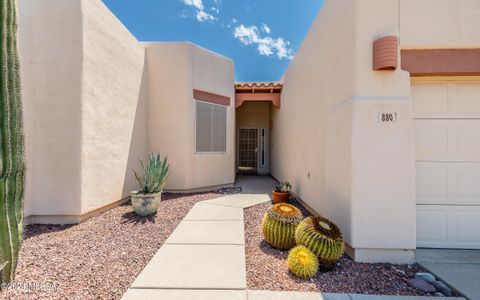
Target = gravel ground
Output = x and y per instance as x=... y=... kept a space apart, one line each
x=267 y=268
x=99 y=258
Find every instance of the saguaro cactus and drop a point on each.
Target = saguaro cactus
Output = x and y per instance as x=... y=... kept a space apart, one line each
x=12 y=161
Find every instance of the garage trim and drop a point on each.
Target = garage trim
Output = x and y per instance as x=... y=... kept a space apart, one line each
x=441 y=62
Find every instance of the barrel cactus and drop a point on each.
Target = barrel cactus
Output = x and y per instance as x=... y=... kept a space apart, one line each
x=323 y=238
x=302 y=262
x=279 y=225
x=12 y=162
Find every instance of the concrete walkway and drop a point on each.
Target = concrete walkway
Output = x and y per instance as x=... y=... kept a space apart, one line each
x=204 y=258
x=256 y=184
x=460 y=269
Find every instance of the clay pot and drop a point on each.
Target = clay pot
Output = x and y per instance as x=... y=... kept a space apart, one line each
x=280 y=197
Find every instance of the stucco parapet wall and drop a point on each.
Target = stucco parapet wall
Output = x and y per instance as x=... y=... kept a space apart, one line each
x=186 y=43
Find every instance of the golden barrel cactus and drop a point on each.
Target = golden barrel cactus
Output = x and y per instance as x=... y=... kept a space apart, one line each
x=279 y=224
x=323 y=238
x=302 y=262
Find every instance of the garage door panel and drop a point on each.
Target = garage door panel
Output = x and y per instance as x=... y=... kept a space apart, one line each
x=467 y=232
x=443 y=226
x=430 y=99
x=464 y=183
x=431 y=138
x=466 y=136
x=448 y=183
x=431 y=183
x=446 y=99
x=432 y=226
x=447 y=140
x=447 y=134
x=467 y=98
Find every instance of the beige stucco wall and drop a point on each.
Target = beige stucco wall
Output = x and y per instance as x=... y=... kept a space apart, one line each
x=255 y=115
x=113 y=107
x=439 y=24
x=84 y=107
x=50 y=46
x=93 y=108
x=214 y=73
x=174 y=71
x=327 y=139
x=316 y=83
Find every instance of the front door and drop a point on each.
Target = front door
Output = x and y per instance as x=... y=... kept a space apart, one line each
x=247 y=150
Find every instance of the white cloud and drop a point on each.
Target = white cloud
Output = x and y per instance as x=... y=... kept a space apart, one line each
x=265 y=28
x=266 y=45
x=202 y=16
x=215 y=9
x=198 y=4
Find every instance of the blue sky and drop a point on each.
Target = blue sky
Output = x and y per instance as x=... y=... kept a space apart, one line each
x=261 y=36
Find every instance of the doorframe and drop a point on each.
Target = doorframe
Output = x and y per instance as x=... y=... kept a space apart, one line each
x=266 y=149
x=237 y=147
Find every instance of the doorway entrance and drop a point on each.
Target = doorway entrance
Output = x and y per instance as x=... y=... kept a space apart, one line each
x=247 y=150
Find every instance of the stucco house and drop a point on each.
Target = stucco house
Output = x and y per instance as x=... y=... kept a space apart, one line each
x=376 y=122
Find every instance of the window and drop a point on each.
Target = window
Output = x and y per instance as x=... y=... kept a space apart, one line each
x=210 y=127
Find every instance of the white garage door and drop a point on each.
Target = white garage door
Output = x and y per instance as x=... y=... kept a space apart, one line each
x=447 y=135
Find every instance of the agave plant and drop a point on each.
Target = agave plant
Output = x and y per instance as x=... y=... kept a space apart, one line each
x=283 y=187
x=154 y=174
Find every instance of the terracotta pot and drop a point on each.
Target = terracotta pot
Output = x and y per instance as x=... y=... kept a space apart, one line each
x=145 y=204
x=280 y=197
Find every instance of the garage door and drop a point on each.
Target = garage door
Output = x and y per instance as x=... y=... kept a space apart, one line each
x=447 y=135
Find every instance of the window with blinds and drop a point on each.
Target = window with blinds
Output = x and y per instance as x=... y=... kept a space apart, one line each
x=210 y=127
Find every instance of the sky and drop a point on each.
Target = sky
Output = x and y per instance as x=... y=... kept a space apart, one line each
x=261 y=36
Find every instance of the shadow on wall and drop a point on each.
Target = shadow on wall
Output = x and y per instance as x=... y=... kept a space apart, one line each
x=138 y=138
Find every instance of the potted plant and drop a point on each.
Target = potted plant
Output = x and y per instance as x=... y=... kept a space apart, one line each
x=151 y=180
x=282 y=192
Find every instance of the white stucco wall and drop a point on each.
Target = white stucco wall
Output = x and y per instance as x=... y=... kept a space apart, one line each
x=327 y=139
x=174 y=71
x=84 y=107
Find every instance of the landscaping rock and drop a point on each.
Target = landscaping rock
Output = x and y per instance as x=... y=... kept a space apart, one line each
x=426 y=276
x=442 y=288
x=399 y=270
x=267 y=269
x=115 y=246
x=421 y=285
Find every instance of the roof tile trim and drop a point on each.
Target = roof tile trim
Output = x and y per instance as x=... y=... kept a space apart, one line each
x=211 y=98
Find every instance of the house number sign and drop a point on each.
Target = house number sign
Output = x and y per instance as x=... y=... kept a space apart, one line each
x=387 y=117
